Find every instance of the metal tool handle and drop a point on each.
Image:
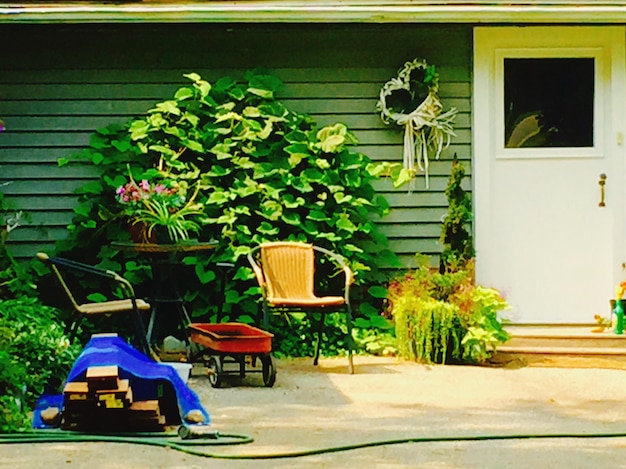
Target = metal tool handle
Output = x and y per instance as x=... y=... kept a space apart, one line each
x=602 y=183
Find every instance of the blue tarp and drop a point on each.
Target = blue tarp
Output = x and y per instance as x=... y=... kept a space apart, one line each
x=146 y=378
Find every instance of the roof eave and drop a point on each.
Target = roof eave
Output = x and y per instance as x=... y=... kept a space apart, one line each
x=274 y=12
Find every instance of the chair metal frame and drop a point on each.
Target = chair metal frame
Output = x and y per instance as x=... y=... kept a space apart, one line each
x=276 y=298
x=130 y=304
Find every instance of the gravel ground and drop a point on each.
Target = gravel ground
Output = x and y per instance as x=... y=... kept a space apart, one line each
x=314 y=408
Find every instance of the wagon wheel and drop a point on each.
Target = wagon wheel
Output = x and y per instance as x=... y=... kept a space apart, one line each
x=214 y=369
x=269 y=370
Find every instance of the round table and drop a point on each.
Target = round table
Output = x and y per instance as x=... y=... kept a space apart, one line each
x=165 y=291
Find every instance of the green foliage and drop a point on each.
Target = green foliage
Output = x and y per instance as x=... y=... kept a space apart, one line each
x=456 y=236
x=33 y=349
x=263 y=173
x=443 y=316
x=16 y=279
x=484 y=329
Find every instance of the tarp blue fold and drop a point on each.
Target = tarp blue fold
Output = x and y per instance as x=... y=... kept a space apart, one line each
x=146 y=376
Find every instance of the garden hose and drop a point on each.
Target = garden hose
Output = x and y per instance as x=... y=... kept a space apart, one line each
x=172 y=441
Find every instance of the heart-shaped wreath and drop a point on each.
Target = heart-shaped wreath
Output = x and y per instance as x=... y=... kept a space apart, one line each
x=410 y=99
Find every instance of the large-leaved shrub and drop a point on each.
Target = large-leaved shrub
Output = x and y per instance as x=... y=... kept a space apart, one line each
x=264 y=172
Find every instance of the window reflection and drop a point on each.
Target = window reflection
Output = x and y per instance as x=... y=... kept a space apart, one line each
x=548 y=102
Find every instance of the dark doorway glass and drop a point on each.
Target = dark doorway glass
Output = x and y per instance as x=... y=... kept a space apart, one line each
x=548 y=102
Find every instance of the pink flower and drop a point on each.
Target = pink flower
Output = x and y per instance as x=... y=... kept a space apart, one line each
x=145 y=185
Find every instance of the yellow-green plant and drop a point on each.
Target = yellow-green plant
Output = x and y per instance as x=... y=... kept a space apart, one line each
x=442 y=317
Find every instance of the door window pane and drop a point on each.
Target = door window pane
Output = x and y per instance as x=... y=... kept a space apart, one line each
x=548 y=102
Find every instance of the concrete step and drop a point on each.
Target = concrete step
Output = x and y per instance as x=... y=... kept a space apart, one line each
x=562 y=346
x=564 y=337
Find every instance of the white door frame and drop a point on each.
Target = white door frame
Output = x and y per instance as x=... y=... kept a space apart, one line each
x=484 y=100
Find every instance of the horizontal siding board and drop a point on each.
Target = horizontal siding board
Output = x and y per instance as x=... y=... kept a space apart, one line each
x=31 y=203
x=175 y=77
x=64 y=139
x=123 y=107
x=48 y=171
x=43 y=218
x=394 y=153
x=414 y=245
x=28 y=250
x=410 y=215
x=329 y=89
x=43 y=233
x=34 y=155
x=410 y=260
x=51 y=187
x=410 y=230
x=78 y=123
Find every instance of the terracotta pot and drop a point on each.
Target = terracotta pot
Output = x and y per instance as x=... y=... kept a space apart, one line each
x=139 y=233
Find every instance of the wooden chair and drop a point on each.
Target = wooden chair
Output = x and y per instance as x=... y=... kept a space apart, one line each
x=286 y=273
x=129 y=305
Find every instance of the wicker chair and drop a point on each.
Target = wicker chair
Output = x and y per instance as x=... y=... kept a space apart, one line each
x=129 y=305
x=286 y=273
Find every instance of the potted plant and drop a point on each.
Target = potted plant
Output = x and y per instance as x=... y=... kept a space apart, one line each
x=160 y=211
x=443 y=317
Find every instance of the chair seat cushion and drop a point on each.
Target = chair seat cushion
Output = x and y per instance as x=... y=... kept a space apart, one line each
x=115 y=306
x=315 y=301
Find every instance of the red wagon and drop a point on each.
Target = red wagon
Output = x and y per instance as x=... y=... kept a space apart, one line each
x=235 y=343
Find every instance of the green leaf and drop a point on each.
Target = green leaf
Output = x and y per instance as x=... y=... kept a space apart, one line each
x=297 y=136
x=92 y=187
x=96 y=298
x=295 y=159
x=139 y=129
x=292 y=202
x=367 y=310
x=203 y=274
x=291 y=218
x=342 y=198
x=318 y=215
x=192 y=76
x=263 y=85
x=344 y=223
x=184 y=93
x=313 y=174
x=89 y=224
x=377 y=291
x=380 y=322
x=167 y=107
x=362 y=323
x=405 y=176
x=297 y=148
x=267 y=229
x=237 y=93
x=194 y=146
x=62 y=162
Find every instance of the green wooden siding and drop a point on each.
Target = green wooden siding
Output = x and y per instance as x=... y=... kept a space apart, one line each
x=60 y=83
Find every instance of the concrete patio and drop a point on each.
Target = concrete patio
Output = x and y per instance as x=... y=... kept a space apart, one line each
x=386 y=400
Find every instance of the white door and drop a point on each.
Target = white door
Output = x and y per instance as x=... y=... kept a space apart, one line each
x=548 y=132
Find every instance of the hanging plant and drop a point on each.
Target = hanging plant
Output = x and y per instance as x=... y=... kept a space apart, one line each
x=410 y=100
